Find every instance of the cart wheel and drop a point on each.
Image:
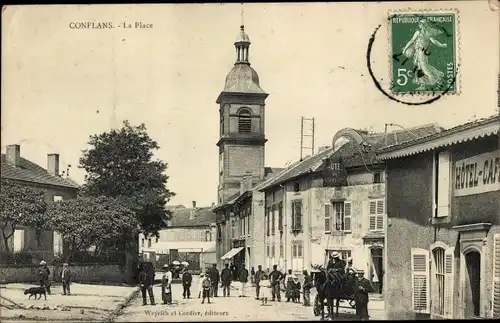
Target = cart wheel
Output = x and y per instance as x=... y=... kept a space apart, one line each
x=316 y=307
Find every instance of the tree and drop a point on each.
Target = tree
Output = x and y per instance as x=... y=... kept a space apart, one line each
x=21 y=205
x=119 y=165
x=86 y=222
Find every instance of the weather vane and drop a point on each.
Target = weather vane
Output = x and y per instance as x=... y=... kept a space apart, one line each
x=242 y=17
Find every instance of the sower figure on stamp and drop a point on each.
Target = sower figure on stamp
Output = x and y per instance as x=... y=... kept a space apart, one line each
x=43 y=275
x=187 y=279
x=226 y=280
x=166 y=285
x=362 y=289
x=66 y=276
x=215 y=277
x=308 y=284
x=275 y=277
x=257 y=281
x=146 y=278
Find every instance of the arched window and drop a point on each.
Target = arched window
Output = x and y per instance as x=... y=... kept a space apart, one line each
x=244 y=121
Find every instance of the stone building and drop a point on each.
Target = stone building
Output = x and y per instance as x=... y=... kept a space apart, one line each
x=307 y=217
x=241 y=148
x=25 y=172
x=190 y=236
x=443 y=234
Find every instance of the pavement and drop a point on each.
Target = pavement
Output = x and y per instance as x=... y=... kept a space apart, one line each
x=86 y=303
x=231 y=308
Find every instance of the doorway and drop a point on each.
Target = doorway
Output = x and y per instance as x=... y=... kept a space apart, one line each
x=376 y=274
x=472 y=293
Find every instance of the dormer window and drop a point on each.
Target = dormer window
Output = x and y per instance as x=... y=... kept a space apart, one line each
x=244 y=121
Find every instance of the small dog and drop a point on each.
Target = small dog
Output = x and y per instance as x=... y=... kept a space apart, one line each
x=36 y=291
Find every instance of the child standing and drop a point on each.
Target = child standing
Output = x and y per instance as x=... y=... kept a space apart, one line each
x=265 y=288
x=200 y=284
x=206 y=285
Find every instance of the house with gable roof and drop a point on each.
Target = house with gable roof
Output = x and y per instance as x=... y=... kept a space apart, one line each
x=25 y=172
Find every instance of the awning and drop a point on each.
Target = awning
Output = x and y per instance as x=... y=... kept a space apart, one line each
x=232 y=253
x=164 y=247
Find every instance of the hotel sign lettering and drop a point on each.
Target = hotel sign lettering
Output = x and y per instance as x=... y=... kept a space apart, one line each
x=478 y=174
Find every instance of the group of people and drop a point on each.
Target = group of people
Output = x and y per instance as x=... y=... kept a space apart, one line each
x=65 y=276
x=268 y=286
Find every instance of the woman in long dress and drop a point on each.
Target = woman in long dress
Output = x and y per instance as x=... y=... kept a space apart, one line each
x=418 y=49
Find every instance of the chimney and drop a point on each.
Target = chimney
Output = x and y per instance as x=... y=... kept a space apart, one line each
x=194 y=204
x=246 y=183
x=13 y=155
x=322 y=148
x=53 y=164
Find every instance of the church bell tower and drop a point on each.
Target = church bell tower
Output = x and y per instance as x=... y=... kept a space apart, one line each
x=242 y=128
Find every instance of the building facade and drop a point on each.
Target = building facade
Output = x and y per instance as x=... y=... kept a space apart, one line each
x=443 y=234
x=190 y=236
x=307 y=217
x=24 y=172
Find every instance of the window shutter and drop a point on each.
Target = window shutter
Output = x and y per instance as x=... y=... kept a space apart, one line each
x=347 y=216
x=496 y=275
x=420 y=279
x=328 y=223
x=449 y=274
x=293 y=215
x=443 y=202
x=373 y=216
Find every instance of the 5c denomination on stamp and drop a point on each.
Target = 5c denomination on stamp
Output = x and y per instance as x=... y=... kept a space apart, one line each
x=423 y=58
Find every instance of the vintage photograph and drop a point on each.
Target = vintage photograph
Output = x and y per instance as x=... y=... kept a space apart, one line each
x=250 y=161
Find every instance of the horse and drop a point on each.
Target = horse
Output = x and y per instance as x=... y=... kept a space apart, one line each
x=331 y=286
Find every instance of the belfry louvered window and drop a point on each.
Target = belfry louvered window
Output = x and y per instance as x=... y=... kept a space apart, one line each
x=244 y=121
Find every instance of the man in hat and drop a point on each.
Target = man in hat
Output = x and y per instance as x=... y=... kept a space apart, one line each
x=350 y=268
x=215 y=278
x=66 y=276
x=226 y=278
x=257 y=280
x=43 y=273
x=187 y=279
x=335 y=263
x=243 y=276
x=166 y=285
x=362 y=288
x=146 y=278
x=308 y=284
x=275 y=277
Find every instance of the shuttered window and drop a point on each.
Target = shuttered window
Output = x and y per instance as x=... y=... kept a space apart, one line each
x=420 y=280
x=496 y=275
x=376 y=214
x=342 y=216
x=328 y=218
x=449 y=284
x=244 y=122
x=280 y=216
x=268 y=225
x=297 y=215
x=273 y=220
x=443 y=184
x=297 y=255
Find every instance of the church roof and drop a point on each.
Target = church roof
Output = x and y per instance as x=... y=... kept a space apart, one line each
x=243 y=79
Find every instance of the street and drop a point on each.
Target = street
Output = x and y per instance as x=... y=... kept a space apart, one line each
x=231 y=308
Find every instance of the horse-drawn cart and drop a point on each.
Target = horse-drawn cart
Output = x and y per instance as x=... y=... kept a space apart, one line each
x=321 y=300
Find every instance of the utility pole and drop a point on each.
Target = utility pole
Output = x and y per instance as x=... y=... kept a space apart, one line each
x=306 y=136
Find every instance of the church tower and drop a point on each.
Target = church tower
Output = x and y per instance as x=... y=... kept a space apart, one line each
x=242 y=132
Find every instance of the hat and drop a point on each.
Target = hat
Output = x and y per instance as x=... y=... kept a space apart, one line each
x=360 y=271
x=166 y=265
x=43 y=262
x=335 y=254
x=176 y=263
x=185 y=263
x=65 y=264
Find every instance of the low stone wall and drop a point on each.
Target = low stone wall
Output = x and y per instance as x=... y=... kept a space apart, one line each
x=82 y=273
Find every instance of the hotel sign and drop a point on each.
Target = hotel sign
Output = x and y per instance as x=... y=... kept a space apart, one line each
x=334 y=172
x=478 y=174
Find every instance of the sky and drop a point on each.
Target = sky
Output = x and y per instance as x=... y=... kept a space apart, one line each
x=61 y=85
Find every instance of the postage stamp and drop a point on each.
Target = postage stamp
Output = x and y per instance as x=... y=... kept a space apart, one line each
x=423 y=52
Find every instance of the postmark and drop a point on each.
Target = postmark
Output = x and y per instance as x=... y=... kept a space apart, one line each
x=424 y=55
